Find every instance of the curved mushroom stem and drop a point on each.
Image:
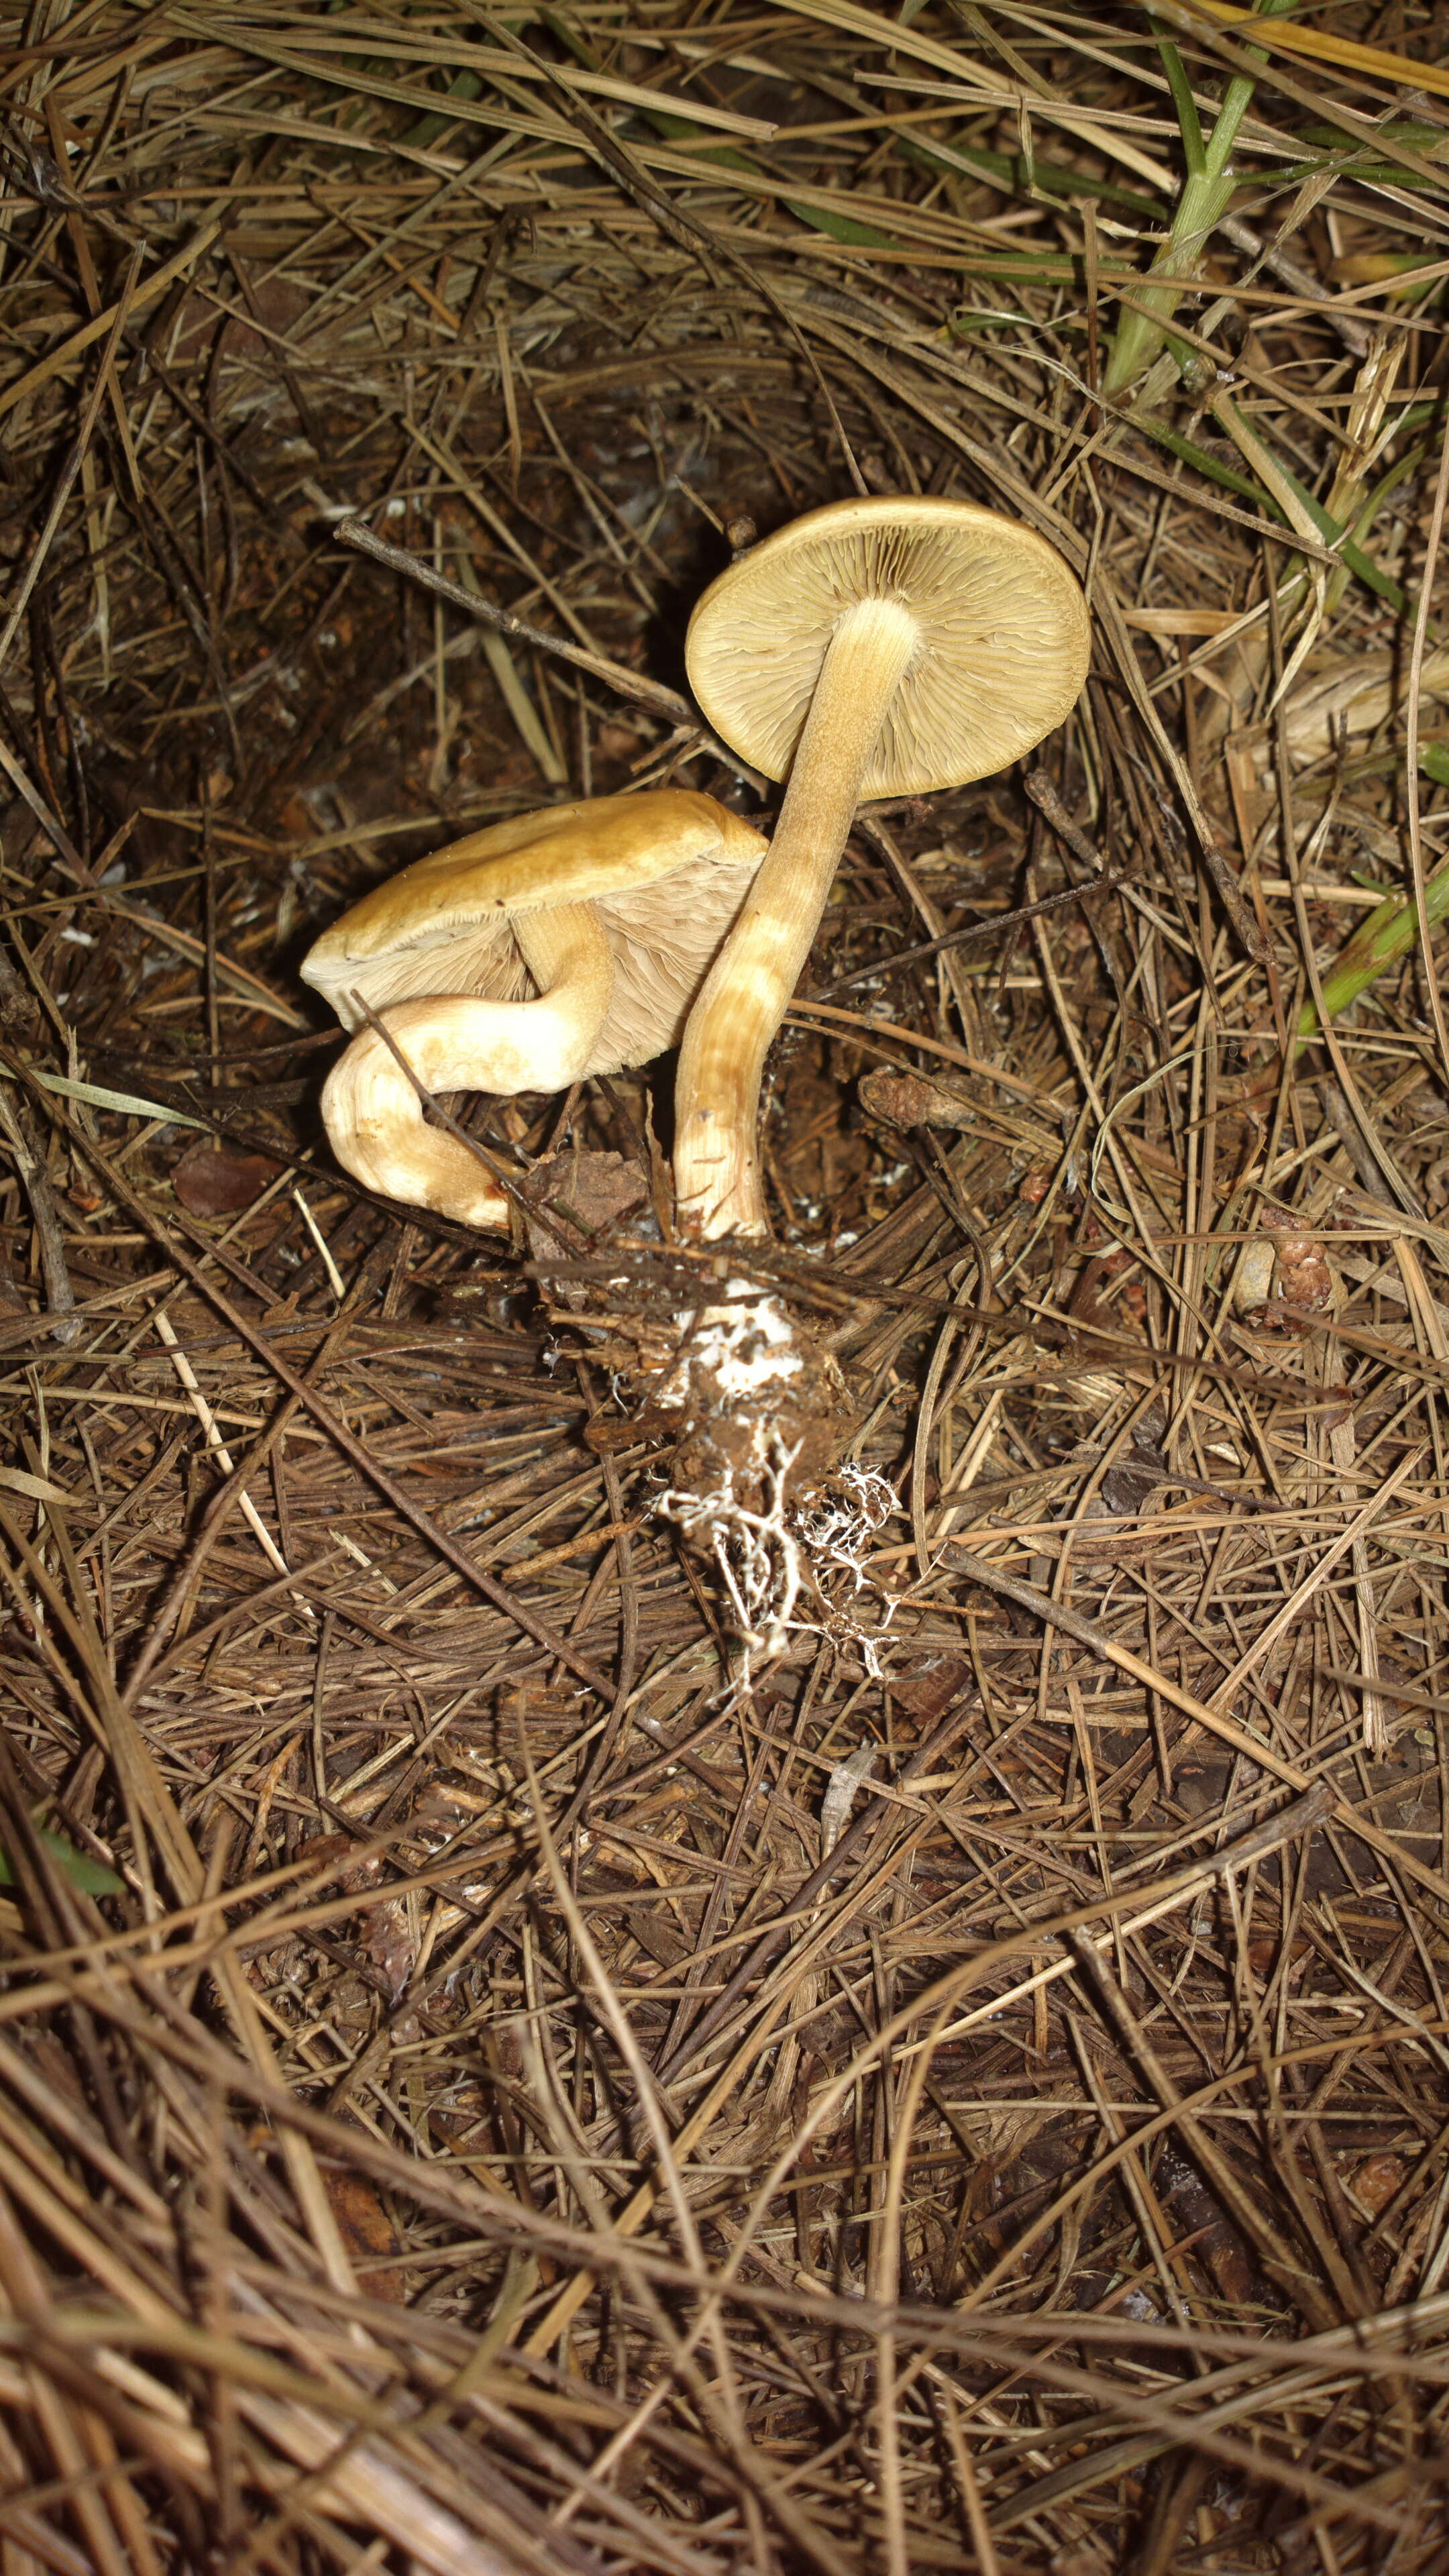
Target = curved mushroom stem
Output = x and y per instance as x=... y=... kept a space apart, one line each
x=747 y=993
x=455 y=1042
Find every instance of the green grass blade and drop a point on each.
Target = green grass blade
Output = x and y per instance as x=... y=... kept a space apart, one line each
x=1386 y=936
x=90 y=1876
x=1189 y=123
x=1206 y=192
x=1007 y=170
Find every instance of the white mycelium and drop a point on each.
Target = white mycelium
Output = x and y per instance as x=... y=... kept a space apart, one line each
x=766 y=1548
x=744 y=1348
x=756 y=1553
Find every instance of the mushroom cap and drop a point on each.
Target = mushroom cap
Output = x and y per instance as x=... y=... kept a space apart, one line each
x=1005 y=638
x=667 y=871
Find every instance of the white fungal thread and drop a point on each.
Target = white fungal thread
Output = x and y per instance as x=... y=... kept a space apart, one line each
x=766 y=1558
x=757 y=1554
x=841 y=1530
x=741 y=1365
x=838 y=1533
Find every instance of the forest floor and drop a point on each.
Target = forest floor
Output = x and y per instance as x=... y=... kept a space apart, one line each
x=483 y=2087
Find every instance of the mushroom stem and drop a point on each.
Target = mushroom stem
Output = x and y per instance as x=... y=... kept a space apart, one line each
x=457 y=1042
x=747 y=993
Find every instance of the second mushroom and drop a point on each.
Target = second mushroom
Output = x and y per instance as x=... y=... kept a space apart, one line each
x=553 y=946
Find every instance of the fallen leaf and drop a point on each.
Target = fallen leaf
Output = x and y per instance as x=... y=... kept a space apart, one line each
x=564 y=1191
x=390 y=1942
x=297 y=819
x=1214 y=2239
x=904 y=1099
x=928 y=1690
x=217 y=1180
x=366 y=2231
x=598 y=1189
x=1375 y=2181
x=320 y=1850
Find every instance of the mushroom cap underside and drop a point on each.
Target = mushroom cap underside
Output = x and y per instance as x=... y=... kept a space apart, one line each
x=1004 y=638
x=664 y=929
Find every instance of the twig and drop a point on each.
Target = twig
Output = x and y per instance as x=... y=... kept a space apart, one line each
x=1046 y=800
x=628 y=684
x=690 y=735
x=998 y=927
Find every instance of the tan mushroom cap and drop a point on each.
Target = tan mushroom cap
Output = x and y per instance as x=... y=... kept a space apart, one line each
x=524 y=958
x=1003 y=650
x=666 y=869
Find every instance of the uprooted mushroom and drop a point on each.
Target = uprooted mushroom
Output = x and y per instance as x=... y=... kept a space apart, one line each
x=553 y=946
x=872 y=648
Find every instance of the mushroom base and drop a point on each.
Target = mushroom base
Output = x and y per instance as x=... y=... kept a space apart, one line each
x=759 y=1399
x=752 y=1420
x=765 y=1418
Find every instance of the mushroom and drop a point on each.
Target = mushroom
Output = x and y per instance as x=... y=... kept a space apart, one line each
x=872 y=648
x=606 y=913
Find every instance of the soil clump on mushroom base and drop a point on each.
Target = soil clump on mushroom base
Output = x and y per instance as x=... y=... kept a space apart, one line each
x=762 y=1405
